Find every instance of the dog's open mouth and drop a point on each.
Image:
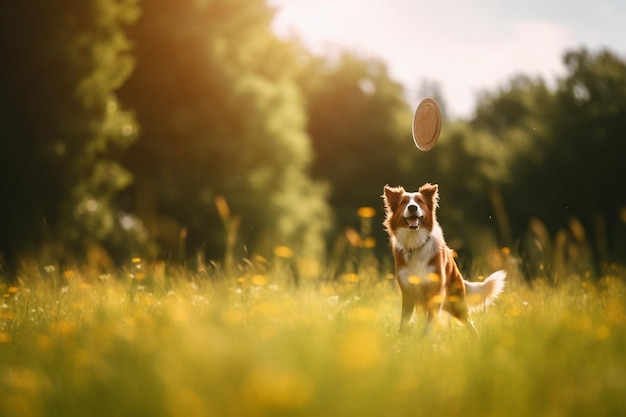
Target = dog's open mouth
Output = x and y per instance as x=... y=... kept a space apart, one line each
x=413 y=222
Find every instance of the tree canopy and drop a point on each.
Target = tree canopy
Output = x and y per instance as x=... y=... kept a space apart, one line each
x=62 y=126
x=359 y=125
x=222 y=117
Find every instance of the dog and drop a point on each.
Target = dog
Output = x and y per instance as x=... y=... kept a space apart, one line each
x=425 y=268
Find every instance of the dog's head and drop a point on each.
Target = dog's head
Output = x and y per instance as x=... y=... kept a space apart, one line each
x=411 y=210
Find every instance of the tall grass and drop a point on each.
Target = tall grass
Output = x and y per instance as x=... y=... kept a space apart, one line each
x=145 y=343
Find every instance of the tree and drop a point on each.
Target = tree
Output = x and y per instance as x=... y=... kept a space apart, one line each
x=360 y=126
x=222 y=121
x=518 y=117
x=563 y=149
x=61 y=124
x=586 y=156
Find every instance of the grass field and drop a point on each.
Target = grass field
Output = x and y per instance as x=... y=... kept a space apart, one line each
x=141 y=343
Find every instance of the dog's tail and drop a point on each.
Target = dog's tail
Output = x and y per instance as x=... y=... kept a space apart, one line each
x=481 y=294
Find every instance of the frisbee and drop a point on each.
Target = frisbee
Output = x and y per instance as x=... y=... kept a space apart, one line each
x=426 y=124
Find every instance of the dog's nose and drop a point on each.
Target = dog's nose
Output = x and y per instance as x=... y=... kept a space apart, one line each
x=412 y=208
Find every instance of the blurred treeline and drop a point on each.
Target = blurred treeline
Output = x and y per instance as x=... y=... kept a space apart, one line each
x=186 y=129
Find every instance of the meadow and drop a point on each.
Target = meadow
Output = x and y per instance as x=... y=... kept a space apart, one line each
x=155 y=341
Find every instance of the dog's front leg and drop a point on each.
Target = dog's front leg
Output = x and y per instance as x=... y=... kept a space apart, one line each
x=408 y=305
x=430 y=318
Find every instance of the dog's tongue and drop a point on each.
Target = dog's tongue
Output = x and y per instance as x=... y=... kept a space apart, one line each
x=413 y=222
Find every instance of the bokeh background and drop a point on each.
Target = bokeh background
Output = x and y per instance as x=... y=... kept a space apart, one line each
x=198 y=130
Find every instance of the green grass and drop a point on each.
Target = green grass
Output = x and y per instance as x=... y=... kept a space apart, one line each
x=155 y=344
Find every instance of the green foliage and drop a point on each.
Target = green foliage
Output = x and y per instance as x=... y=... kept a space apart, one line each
x=62 y=124
x=589 y=132
x=477 y=159
x=561 y=150
x=360 y=130
x=184 y=345
x=221 y=116
x=517 y=116
x=246 y=141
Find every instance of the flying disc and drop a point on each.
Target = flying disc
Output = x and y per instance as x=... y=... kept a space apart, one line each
x=426 y=124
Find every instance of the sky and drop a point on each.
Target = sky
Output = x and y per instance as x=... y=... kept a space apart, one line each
x=467 y=46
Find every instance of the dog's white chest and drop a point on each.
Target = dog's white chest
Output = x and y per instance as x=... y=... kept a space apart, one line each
x=417 y=270
x=419 y=250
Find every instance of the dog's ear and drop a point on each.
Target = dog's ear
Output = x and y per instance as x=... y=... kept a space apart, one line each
x=391 y=197
x=431 y=194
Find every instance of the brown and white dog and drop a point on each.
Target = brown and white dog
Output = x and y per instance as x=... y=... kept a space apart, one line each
x=425 y=268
